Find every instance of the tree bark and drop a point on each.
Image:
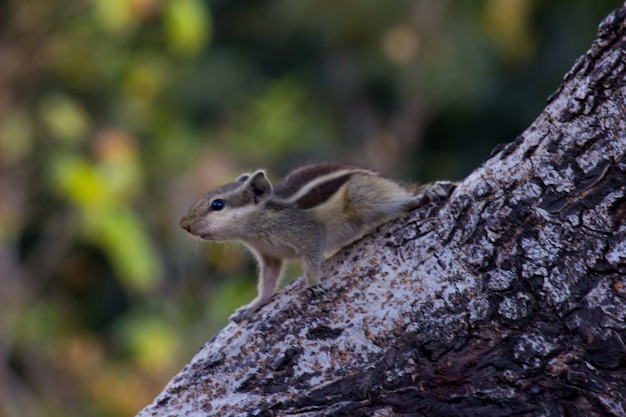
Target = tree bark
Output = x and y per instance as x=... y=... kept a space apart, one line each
x=508 y=299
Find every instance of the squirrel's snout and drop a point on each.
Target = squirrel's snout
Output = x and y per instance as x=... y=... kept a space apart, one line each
x=185 y=223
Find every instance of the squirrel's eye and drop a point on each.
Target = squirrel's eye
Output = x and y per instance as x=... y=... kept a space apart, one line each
x=217 y=205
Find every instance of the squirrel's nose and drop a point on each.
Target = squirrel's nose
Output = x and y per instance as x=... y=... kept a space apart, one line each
x=185 y=223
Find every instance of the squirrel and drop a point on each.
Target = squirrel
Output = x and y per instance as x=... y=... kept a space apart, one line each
x=312 y=213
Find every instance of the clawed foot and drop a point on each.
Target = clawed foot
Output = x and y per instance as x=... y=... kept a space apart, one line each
x=247 y=311
x=317 y=290
x=240 y=315
x=437 y=192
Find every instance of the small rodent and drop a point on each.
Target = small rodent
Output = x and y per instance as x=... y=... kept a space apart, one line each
x=313 y=212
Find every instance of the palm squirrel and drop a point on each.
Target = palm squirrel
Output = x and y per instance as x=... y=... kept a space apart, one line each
x=313 y=212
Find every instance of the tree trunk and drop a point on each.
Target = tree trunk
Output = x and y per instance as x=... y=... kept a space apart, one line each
x=506 y=300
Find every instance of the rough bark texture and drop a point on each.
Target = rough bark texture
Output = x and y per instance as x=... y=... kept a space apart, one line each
x=507 y=300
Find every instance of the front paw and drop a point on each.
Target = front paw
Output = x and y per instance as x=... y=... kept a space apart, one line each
x=245 y=312
x=248 y=311
x=241 y=314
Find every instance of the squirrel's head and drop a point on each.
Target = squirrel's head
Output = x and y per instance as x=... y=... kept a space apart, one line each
x=221 y=214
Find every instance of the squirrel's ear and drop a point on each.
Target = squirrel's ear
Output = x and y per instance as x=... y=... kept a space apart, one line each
x=260 y=186
x=243 y=177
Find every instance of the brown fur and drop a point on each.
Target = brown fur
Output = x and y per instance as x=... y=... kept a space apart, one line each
x=294 y=182
x=322 y=192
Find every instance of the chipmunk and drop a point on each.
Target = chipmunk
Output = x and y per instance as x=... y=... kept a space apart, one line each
x=313 y=212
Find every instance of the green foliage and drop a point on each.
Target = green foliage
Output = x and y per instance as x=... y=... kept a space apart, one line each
x=281 y=120
x=66 y=119
x=115 y=115
x=152 y=342
x=187 y=25
x=100 y=194
x=115 y=16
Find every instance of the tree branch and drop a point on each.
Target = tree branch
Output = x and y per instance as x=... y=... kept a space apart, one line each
x=508 y=299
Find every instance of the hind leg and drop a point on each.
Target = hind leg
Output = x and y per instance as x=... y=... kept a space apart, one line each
x=376 y=200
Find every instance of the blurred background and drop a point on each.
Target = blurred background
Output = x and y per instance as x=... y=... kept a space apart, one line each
x=115 y=115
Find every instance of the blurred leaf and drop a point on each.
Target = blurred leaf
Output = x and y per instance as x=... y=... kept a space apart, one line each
x=145 y=78
x=507 y=22
x=115 y=16
x=151 y=340
x=66 y=118
x=188 y=25
x=120 y=233
x=77 y=180
x=107 y=221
